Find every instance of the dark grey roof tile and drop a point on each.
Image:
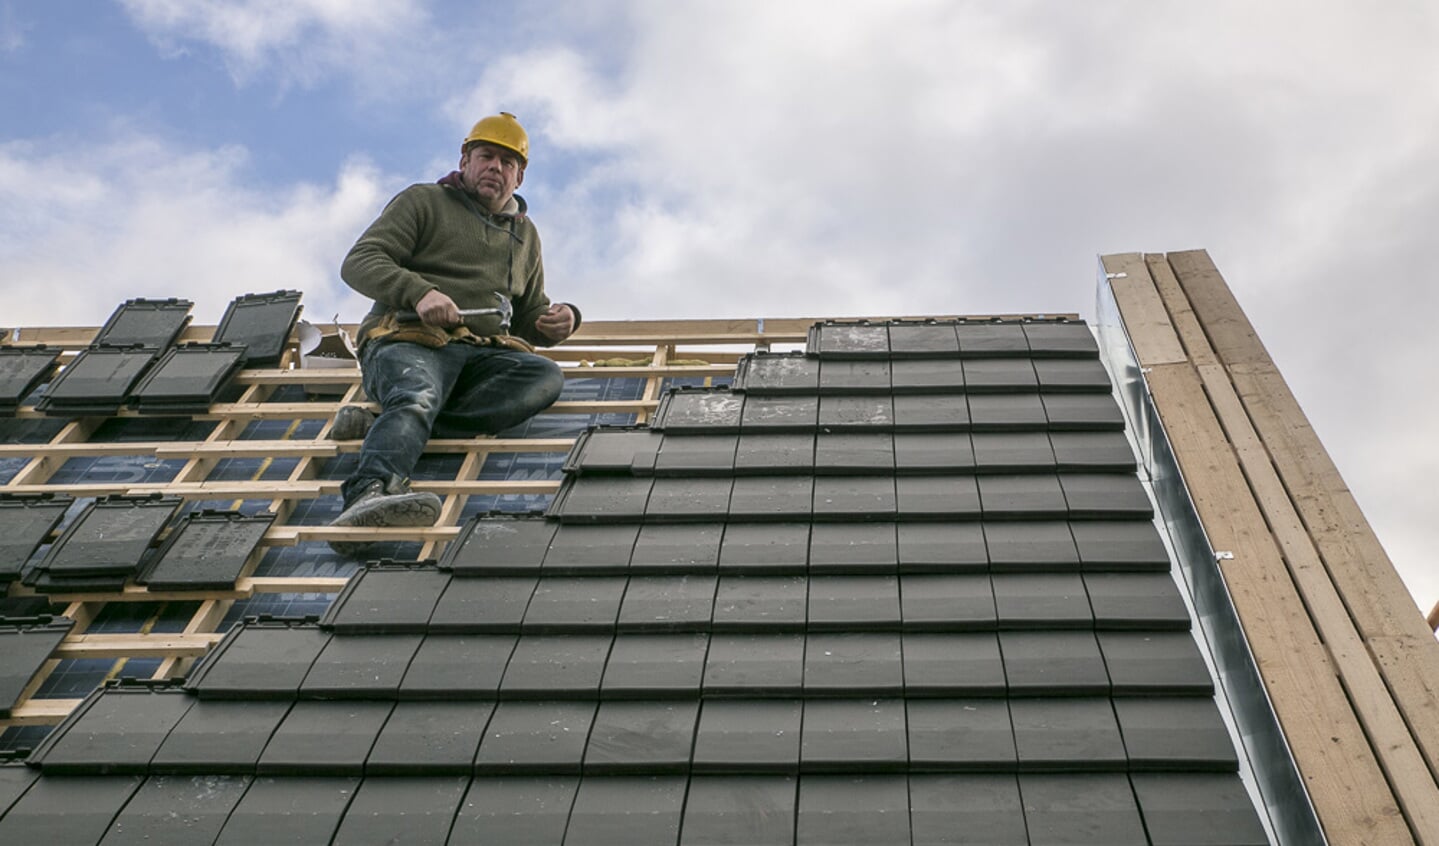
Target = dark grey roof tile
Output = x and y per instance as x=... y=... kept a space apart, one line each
x=1072 y=375
x=556 y=666
x=668 y=603
x=771 y=498
x=688 y=499
x=853 y=603
x=764 y=547
x=535 y=737
x=696 y=455
x=777 y=373
x=699 y=411
x=853 y=548
x=491 y=604
x=1105 y=495
x=739 y=811
x=1029 y=497
x=389 y=599
x=856 y=413
x=1081 y=810
x=759 y=603
x=840 y=735
x=926 y=377
x=1097 y=412
x=360 y=667
x=853 y=453
x=680 y=548
x=990 y=340
x=999 y=375
x=946 y=602
x=261 y=323
x=115 y=730
x=1049 y=663
x=515 y=811
x=948 y=735
x=1136 y=601
x=22 y=370
x=655 y=666
x=1060 y=339
x=449 y=666
x=853 y=664
x=390 y=810
x=760 y=454
x=1175 y=733
x=1066 y=735
x=626 y=810
x=259 y=660
x=641 y=737
x=207 y=551
x=932 y=452
x=852 y=810
x=945 y=547
x=601 y=499
x=576 y=604
x=430 y=738
x=748 y=735
x=965 y=664
x=937 y=497
x=1154 y=663
x=849 y=340
x=1119 y=545
x=1007 y=412
x=67 y=810
x=219 y=737
x=755 y=665
x=854 y=498
x=951 y=810
x=1010 y=452
x=289 y=811
x=1027 y=546
x=1092 y=451
x=1042 y=601
x=496 y=545
x=622 y=450
x=923 y=339
x=108 y=537
x=591 y=549
x=854 y=377
x=1197 y=809
x=779 y=414
x=330 y=738
x=932 y=413
x=177 y=810
x=25 y=523
x=24 y=649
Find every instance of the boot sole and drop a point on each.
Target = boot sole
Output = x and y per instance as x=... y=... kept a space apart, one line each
x=411 y=510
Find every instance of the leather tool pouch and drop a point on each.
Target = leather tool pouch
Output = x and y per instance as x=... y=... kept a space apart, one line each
x=390 y=328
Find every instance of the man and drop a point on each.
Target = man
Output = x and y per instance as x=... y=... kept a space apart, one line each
x=453 y=268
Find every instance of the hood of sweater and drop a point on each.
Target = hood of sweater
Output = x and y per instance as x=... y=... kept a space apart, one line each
x=514 y=207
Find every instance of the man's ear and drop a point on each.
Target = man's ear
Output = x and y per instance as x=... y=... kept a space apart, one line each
x=520 y=180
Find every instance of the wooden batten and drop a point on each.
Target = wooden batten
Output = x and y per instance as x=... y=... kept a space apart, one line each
x=1346 y=657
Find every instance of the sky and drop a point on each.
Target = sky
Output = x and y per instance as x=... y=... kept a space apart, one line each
x=750 y=158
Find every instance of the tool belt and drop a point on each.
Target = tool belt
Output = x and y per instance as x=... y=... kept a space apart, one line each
x=391 y=328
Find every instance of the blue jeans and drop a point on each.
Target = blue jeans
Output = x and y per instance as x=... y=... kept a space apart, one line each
x=458 y=390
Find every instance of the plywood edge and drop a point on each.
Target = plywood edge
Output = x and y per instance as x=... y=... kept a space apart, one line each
x=1145 y=319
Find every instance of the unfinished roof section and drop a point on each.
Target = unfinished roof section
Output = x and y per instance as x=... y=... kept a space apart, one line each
x=1349 y=662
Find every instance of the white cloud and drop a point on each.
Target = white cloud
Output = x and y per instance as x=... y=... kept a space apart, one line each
x=140 y=218
x=299 y=41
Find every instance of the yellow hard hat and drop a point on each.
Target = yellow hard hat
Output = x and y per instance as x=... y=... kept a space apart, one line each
x=504 y=130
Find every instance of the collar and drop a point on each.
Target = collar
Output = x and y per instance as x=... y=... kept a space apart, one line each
x=515 y=207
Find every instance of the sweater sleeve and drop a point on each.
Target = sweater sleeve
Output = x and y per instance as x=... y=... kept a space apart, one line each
x=378 y=265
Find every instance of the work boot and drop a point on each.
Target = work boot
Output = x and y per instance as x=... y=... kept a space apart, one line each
x=352 y=423
x=373 y=507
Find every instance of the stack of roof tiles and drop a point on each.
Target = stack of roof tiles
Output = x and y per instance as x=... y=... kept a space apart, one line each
x=903 y=588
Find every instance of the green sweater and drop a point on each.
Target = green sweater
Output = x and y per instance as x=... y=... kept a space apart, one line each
x=428 y=238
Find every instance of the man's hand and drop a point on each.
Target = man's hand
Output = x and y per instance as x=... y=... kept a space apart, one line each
x=557 y=323
x=437 y=309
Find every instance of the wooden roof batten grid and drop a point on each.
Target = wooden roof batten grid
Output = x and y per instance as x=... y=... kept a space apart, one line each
x=1349 y=662
x=640 y=349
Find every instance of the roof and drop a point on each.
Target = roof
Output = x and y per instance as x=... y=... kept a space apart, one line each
x=905 y=585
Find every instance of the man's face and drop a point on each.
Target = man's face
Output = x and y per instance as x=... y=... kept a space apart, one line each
x=492 y=173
